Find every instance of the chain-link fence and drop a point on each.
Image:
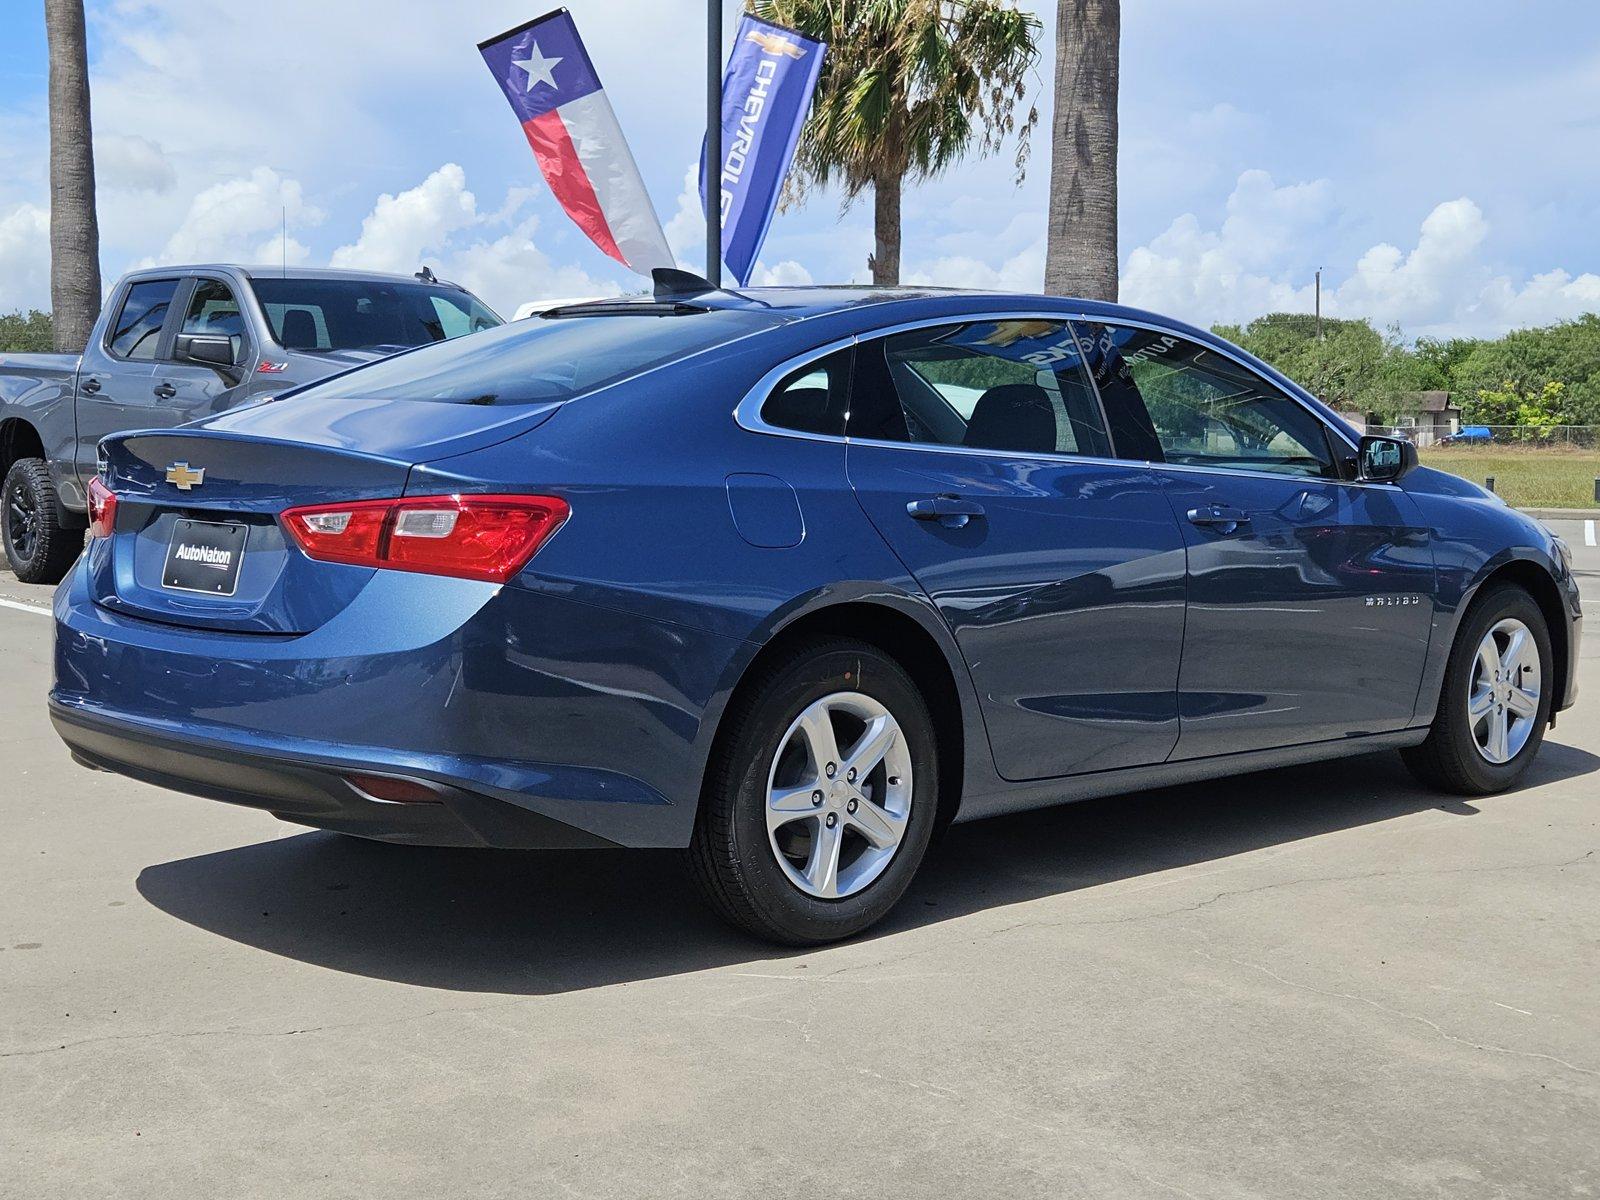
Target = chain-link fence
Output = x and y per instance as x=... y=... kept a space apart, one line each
x=1554 y=437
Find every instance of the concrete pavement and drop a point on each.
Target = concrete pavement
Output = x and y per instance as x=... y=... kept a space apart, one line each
x=1319 y=982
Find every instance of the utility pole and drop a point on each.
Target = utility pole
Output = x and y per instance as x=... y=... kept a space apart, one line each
x=714 y=142
x=1319 y=304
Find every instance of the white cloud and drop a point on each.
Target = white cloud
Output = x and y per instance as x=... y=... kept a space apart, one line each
x=131 y=163
x=1250 y=265
x=401 y=230
x=1234 y=272
x=24 y=258
x=1020 y=272
x=686 y=228
x=787 y=273
x=511 y=270
x=237 y=212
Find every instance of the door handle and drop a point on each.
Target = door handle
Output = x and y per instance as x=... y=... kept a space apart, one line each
x=952 y=512
x=165 y=391
x=90 y=385
x=1220 y=517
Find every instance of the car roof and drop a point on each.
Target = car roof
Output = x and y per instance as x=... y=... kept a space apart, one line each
x=787 y=304
x=271 y=272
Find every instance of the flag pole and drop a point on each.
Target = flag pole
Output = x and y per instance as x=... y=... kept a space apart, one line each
x=714 y=142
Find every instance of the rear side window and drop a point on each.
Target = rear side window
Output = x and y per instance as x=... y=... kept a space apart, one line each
x=137 y=331
x=1013 y=385
x=541 y=359
x=812 y=399
x=312 y=315
x=1173 y=400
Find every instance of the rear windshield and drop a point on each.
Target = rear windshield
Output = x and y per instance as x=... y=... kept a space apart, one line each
x=312 y=315
x=540 y=359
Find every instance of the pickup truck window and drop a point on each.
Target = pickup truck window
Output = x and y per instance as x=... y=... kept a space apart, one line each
x=213 y=310
x=138 y=327
x=363 y=314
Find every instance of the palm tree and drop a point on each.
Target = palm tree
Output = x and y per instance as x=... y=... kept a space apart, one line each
x=74 y=232
x=1082 y=255
x=908 y=88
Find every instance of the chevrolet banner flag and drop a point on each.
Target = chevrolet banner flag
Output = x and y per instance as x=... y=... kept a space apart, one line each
x=766 y=93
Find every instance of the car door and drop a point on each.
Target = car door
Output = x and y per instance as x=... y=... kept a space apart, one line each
x=187 y=391
x=979 y=452
x=1310 y=595
x=114 y=384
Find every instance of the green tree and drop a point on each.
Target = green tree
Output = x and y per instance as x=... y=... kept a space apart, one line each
x=908 y=88
x=26 y=332
x=1524 y=362
x=1536 y=410
x=1081 y=259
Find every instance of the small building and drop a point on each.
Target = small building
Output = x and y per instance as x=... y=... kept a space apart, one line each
x=1424 y=417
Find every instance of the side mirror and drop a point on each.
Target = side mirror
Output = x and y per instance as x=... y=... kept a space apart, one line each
x=204 y=349
x=1385 y=459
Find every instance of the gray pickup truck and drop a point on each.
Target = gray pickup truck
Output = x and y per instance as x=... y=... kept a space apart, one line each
x=175 y=344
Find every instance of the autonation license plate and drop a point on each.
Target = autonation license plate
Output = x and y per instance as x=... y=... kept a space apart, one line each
x=204 y=556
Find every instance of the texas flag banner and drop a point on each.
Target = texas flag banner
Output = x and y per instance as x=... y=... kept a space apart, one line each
x=766 y=93
x=546 y=74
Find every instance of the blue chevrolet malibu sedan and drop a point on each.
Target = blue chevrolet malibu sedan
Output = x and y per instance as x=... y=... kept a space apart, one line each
x=793 y=579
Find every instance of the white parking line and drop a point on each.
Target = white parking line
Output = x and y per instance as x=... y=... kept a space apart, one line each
x=37 y=609
x=1588 y=533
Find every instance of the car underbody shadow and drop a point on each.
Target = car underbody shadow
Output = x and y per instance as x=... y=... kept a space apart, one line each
x=536 y=922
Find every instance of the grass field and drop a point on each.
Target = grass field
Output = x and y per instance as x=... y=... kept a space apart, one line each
x=1527 y=478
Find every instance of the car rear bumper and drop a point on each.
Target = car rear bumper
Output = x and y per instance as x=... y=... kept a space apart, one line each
x=311 y=793
x=535 y=720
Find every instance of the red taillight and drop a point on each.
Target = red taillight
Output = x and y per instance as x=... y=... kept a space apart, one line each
x=102 y=509
x=468 y=536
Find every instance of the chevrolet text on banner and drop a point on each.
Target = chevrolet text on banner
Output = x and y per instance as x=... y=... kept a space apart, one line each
x=765 y=96
x=545 y=72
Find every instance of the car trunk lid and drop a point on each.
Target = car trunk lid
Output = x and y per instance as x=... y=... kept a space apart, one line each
x=197 y=538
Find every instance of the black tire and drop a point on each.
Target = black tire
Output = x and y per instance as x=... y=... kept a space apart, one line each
x=39 y=547
x=1450 y=759
x=731 y=858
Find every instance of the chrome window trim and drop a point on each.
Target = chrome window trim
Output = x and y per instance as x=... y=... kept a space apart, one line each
x=747 y=413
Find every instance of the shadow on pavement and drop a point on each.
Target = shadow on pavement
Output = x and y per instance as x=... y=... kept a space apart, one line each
x=537 y=922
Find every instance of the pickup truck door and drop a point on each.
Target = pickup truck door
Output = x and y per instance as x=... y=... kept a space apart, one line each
x=114 y=378
x=186 y=391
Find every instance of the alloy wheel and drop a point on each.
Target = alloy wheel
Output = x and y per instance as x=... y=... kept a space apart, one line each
x=1503 y=696
x=839 y=795
x=22 y=522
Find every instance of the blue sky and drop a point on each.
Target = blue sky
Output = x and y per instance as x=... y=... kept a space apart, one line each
x=1440 y=160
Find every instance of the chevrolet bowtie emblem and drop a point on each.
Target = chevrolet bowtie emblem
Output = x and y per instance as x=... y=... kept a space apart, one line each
x=183 y=476
x=774 y=45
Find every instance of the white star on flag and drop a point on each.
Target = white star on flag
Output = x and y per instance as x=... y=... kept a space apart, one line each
x=537 y=67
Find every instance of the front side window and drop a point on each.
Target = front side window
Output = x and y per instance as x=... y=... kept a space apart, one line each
x=214 y=310
x=1010 y=385
x=310 y=314
x=137 y=331
x=1172 y=400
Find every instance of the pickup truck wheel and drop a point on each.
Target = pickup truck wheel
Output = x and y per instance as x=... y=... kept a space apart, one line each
x=40 y=550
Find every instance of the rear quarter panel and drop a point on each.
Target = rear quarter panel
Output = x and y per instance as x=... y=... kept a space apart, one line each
x=652 y=539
